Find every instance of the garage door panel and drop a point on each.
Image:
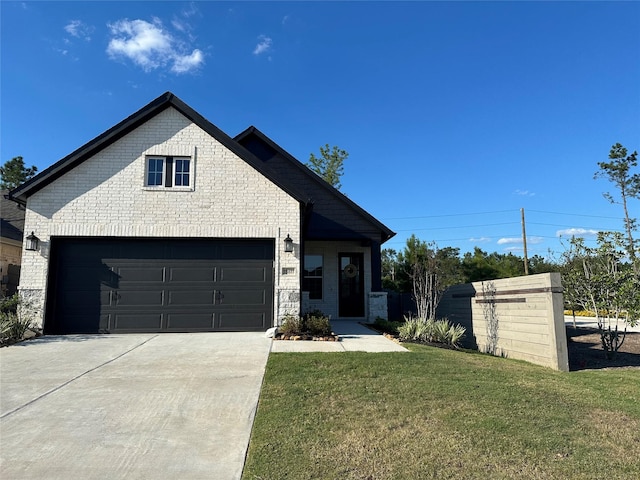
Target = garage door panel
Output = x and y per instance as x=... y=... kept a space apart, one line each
x=156 y=285
x=140 y=274
x=245 y=274
x=87 y=275
x=243 y=297
x=139 y=298
x=190 y=321
x=192 y=274
x=242 y=320
x=137 y=321
x=191 y=297
x=85 y=300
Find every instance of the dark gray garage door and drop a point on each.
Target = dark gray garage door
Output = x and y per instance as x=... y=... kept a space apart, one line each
x=157 y=285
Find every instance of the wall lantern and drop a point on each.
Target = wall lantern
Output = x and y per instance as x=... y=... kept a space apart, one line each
x=288 y=244
x=32 y=242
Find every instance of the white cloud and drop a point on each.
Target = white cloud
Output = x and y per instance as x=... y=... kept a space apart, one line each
x=524 y=193
x=480 y=239
x=151 y=46
x=78 y=29
x=514 y=249
x=577 y=232
x=264 y=45
x=509 y=240
x=186 y=63
x=517 y=240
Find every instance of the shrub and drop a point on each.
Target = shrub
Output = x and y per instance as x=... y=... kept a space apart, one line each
x=416 y=329
x=387 y=326
x=291 y=325
x=312 y=323
x=441 y=331
x=409 y=329
x=317 y=325
x=13 y=323
x=456 y=334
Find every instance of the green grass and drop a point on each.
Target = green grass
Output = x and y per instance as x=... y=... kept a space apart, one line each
x=436 y=413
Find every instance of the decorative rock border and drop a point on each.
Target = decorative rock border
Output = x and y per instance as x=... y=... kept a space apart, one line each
x=325 y=338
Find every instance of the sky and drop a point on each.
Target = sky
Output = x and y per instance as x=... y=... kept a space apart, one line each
x=456 y=115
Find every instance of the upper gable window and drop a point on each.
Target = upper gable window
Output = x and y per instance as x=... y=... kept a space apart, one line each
x=169 y=172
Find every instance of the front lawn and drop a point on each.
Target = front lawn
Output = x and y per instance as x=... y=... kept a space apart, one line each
x=436 y=413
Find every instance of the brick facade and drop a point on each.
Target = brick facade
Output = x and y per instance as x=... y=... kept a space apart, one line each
x=105 y=196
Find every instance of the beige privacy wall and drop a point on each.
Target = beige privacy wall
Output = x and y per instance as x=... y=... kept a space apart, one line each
x=520 y=317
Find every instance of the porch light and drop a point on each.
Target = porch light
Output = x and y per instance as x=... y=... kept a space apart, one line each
x=288 y=244
x=32 y=242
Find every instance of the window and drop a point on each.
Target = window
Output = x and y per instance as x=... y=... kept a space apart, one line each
x=312 y=278
x=168 y=172
x=154 y=171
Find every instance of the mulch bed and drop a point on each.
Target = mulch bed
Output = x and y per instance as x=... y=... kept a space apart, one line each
x=585 y=350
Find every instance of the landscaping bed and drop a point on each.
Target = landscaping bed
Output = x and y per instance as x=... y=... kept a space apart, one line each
x=312 y=326
x=585 y=350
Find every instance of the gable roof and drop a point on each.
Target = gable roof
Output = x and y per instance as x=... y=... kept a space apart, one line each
x=164 y=101
x=331 y=218
x=333 y=213
x=12 y=221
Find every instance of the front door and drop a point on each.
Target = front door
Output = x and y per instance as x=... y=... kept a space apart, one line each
x=351 y=289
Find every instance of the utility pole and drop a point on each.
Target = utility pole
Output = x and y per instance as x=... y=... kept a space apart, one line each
x=524 y=242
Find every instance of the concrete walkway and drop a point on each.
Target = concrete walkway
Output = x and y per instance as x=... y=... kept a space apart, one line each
x=354 y=338
x=129 y=406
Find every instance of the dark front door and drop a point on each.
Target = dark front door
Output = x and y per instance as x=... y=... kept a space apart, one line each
x=351 y=290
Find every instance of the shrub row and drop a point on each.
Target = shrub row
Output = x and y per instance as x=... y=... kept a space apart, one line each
x=311 y=323
x=417 y=329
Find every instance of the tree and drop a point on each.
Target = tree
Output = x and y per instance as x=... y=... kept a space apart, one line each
x=618 y=172
x=431 y=271
x=389 y=258
x=329 y=165
x=599 y=279
x=14 y=173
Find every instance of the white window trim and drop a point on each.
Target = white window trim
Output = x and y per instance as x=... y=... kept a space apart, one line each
x=173 y=188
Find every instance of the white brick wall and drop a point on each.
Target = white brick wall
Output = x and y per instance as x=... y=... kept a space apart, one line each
x=105 y=196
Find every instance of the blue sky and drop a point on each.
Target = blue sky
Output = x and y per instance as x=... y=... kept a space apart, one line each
x=455 y=114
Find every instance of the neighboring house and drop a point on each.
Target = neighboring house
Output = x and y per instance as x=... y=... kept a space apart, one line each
x=164 y=223
x=11 y=233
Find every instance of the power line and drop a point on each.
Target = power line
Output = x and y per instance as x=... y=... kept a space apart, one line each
x=461 y=226
x=572 y=214
x=448 y=215
x=560 y=225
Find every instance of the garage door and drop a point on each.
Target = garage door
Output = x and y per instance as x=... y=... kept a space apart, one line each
x=158 y=285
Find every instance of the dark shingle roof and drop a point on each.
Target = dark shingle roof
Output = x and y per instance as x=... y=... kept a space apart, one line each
x=333 y=215
x=12 y=218
x=330 y=214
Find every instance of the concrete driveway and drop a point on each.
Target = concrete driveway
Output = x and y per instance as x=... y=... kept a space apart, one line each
x=129 y=406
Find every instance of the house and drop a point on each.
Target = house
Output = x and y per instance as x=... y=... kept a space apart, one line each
x=11 y=232
x=164 y=223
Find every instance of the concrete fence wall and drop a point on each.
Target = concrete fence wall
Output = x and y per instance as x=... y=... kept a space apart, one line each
x=520 y=317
